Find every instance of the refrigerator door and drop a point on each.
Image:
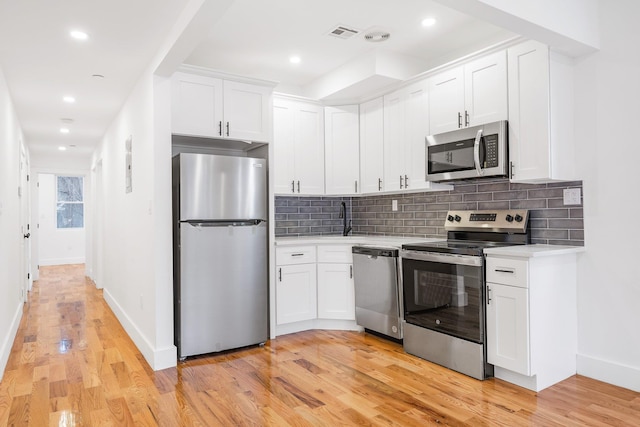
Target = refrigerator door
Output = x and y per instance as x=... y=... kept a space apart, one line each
x=223 y=289
x=216 y=187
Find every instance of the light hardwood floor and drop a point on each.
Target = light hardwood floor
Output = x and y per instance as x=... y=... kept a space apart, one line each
x=72 y=364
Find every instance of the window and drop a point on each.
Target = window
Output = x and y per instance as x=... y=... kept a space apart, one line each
x=70 y=201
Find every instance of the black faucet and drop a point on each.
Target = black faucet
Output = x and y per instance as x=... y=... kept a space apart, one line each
x=343 y=215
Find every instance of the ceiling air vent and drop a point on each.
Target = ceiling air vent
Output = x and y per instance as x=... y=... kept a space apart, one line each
x=342 y=32
x=377 y=36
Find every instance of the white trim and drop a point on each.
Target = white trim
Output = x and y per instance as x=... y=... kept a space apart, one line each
x=7 y=342
x=156 y=358
x=209 y=72
x=61 y=261
x=609 y=372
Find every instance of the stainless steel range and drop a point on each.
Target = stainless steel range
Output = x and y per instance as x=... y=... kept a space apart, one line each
x=444 y=288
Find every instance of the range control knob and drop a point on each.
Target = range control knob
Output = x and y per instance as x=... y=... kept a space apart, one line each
x=450 y=218
x=518 y=218
x=509 y=218
x=457 y=218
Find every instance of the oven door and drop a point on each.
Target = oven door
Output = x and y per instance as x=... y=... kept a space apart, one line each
x=444 y=293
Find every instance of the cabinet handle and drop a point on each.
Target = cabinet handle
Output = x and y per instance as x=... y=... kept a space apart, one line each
x=220 y=128
x=512 y=167
x=400 y=181
x=298 y=187
x=351 y=272
x=379 y=184
x=488 y=295
x=504 y=270
x=406 y=181
x=280 y=274
x=466 y=118
x=293 y=186
x=298 y=254
x=459 y=120
x=227 y=128
x=356 y=182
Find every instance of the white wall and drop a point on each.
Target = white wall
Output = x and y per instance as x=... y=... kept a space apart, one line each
x=11 y=283
x=607 y=112
x=55 y=246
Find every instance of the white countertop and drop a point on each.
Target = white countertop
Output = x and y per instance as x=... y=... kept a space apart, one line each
x=530 y=251
x=351 y=240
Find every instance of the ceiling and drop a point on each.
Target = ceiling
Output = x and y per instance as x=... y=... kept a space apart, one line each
x=254 y=38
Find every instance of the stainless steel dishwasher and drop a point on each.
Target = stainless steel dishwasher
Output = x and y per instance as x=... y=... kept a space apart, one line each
x=378 y=289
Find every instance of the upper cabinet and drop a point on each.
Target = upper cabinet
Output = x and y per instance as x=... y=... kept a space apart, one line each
x=342 y=150
x=406 y=113
x=371 y=146
x=541 y=142
x=214 y=108
x=298 y=138
x=469 y=95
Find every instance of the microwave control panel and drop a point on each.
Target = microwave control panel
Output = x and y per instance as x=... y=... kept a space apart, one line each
x=491 y=151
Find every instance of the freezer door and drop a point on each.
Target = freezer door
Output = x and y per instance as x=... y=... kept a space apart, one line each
x=216 y=187
x=223 y=287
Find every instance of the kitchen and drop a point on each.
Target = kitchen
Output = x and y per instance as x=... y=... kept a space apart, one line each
x=602 y=349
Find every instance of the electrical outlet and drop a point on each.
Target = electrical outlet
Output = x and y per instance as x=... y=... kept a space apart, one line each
x=571 y=196
x=394 y=205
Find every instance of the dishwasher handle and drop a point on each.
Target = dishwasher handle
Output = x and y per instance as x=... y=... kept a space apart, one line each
x=374 y=252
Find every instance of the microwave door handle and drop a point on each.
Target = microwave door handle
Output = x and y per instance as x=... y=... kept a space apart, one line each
x=476 y=153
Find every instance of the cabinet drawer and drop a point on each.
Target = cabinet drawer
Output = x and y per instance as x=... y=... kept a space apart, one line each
x=508 y=271
x=295 y=255
x=335 y=254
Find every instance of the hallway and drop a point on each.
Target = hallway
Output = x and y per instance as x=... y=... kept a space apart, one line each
x=72 y=364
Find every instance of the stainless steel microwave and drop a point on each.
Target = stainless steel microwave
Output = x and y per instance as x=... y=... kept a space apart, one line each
x=473 y=152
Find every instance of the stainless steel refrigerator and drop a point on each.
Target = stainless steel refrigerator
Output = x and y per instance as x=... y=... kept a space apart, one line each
x=220 y=252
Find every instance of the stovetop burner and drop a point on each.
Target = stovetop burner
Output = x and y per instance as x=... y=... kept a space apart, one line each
x=470 y=232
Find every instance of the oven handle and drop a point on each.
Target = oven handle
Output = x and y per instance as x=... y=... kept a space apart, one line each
x=471 y=260
x=476 y=153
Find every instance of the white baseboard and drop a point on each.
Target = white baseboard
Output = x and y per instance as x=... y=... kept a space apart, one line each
x=7 y=341
x=609 y=372
x=62 y=261
x=157 y=358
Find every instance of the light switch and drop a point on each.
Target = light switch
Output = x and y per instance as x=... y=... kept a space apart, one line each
x=571 y=196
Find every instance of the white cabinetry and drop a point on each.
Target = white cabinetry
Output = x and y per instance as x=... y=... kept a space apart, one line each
x=295 y=284
x=371 y=146
x=532 y=319
x=214 y=108
x=336 y=293
x=541 y=142
x=469 y=95
x=298 y=138
x=341 y=145
x=406 y=115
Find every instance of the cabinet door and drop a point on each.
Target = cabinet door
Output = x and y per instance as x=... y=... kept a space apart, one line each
x=416 y=123
x=508 y=328
x=394 y=146
x=196 y=105
x=486 y=89
x=309 y=149
x=295 y=293
x=446 y=101
x=528 y=77
x=342 y=150
x=336 y=294
x=371 y=146
x=246 y=111
x=284 y=116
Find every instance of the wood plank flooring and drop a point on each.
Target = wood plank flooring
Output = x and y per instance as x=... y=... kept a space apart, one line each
x=73 y=365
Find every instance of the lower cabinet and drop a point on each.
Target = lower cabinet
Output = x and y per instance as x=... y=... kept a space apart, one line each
x=296 y=293
x=532 y=318
x=314 y=288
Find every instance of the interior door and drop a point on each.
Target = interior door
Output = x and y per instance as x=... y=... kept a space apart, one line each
x=25 y=227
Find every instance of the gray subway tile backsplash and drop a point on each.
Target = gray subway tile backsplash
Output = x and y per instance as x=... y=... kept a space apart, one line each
x=423 y=214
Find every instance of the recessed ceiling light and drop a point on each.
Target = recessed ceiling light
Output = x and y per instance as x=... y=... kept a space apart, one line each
x=64 y=130
x=69 y=99
x=79 y=35
x=294 y=59
x=428 y=22
x=61 y=148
